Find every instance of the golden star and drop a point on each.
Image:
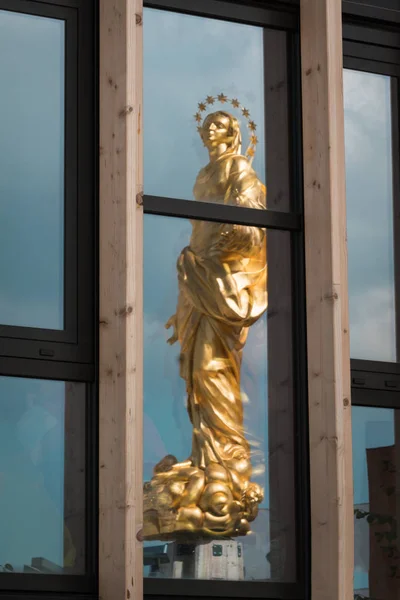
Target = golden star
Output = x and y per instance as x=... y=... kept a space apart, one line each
x=197 y=116
x=210 y=99
x=222 y=98
x=254 y=139
x=246 y=113
x=252 y=126
x=235 y=103
x=202 y=106
x=250 y=152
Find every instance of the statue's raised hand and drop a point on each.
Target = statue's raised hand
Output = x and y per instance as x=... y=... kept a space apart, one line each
x=172 y=323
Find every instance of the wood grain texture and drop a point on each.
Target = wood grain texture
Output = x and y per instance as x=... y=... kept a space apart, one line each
x=327 y=301
x=121 y=289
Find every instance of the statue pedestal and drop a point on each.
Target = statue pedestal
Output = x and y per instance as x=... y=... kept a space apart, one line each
x=214 y=559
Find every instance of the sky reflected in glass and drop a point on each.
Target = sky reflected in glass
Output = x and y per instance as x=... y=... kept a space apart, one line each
x=369 y=215
x=187 y=58
x=31 y=171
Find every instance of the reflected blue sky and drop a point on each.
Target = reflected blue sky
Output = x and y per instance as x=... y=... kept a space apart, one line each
x=187 y=58
x=31 y=470
x=369 y=215
x=372 y=428
x=31 y=170
x=31 y=275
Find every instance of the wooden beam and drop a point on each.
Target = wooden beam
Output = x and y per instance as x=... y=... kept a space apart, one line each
x=121 y=289
x=332 y=521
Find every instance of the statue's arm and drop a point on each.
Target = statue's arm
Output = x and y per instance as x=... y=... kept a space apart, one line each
x=245 y=187
x=172 y=323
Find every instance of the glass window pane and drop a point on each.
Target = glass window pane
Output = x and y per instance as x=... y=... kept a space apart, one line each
x=369 y=190
x=201 y=66
x=218 y=422
x=42 y=476
x=31 y=170
x=376 y=446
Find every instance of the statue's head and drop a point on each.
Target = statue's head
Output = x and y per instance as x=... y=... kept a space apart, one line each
x=221 y=129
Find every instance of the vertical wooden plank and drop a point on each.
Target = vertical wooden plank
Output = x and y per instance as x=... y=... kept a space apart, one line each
x=327 y=301
x=121 y=225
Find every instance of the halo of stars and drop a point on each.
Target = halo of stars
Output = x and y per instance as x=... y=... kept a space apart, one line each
x=252 y=127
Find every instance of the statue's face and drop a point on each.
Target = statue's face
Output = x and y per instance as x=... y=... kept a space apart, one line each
x=215 y=130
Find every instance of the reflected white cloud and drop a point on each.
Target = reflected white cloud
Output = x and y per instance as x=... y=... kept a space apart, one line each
x=372 y=334
x=369 y=215
x=187 y=58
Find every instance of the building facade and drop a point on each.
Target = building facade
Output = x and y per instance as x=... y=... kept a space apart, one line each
x=199 y=225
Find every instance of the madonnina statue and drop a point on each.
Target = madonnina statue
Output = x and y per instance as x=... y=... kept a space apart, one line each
x=222 y=292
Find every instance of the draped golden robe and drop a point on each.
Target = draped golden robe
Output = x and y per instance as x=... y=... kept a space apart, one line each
x=222 y=292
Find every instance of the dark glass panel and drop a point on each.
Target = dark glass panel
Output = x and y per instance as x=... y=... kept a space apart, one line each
x=42 y=476
x=31 y=171
x=213 y=320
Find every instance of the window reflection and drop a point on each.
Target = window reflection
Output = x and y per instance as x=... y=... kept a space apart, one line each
x=376 y=459
x=369 y=192
x=31 y=171
x=266 y=398
x=42 y=476
x=187 y=58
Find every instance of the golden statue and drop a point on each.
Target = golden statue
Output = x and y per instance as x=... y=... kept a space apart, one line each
x=222 y=292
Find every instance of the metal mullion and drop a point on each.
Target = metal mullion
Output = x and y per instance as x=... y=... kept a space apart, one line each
x=277 y=89
x=394 y=102
x=32 y=368
x=375 y=398
x=375 y=366
x=208 y=211
x=163 y=588
x=70 y=216
x=35 y=595
x=372 y=36
x=299 y=344
x=40 y=8
x=356 y=63
x=20 y=582
x=370 y=12
x=92 y=482
x=386 y=382
x=373 y=53
x=301 y=417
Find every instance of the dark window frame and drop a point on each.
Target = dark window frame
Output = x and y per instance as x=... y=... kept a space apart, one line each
x=70 y=355
x=374 y=46
x=291 y=222
x=377 y=50
x=75 y=342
